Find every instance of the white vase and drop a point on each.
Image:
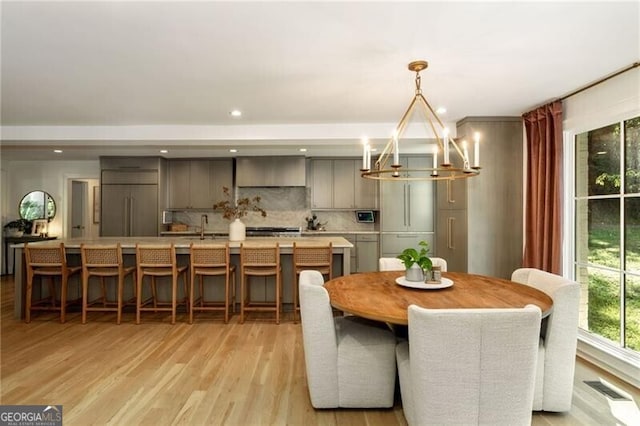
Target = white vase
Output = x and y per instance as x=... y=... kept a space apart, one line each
x=414 y=273
x=237 y=231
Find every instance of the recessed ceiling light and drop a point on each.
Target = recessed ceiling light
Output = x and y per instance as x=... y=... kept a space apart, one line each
x=57 y=151
x=441 y=110
x=374 y=149
x=233 y=150
x=163 y=151
x=235 y=113
x=303 y=149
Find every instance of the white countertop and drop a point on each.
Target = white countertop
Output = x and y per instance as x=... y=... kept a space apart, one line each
x=185 y=241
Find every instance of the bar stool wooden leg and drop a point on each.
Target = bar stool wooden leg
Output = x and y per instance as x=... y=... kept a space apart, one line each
x=85 y=292
x=138 y=296
x=63 y=297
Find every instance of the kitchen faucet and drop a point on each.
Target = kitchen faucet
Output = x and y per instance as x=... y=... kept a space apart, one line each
x=203 y=219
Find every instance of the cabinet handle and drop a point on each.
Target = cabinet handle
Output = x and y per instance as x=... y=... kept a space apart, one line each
x=450 y=223
x=449 y=199
x=131 y=205
x=126 y=216
x=409 y=205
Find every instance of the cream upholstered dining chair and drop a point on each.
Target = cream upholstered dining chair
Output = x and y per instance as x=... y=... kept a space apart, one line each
x=350 y=361
x=558 y=339
x=469 y=366
x=395 y=264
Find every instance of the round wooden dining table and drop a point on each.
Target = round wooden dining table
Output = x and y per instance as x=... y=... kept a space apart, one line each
x=377 y=295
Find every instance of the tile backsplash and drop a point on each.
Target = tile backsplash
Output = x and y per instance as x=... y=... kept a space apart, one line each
x=285 y=206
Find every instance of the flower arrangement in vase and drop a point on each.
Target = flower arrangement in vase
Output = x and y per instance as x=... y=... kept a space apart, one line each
x=417 y=263
x=235 y=211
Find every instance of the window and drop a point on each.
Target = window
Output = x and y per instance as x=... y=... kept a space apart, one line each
x=607 y=231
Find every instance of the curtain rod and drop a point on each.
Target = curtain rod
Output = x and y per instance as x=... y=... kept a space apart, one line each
x=602 y=80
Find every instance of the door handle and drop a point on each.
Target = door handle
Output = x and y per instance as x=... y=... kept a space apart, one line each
x=77 y=227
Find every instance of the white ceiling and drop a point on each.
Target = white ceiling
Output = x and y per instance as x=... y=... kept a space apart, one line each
x=133 y=77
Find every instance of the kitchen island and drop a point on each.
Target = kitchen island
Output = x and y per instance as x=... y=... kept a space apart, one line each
x=341 y=260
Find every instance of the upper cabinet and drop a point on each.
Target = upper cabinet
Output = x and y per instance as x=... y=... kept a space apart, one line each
x=336 y=184
x=197 y=184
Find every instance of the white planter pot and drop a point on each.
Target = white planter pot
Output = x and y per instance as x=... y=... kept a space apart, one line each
x=414 y=273
x=237 y=231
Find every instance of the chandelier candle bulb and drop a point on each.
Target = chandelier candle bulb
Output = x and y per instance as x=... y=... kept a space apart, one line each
x=445 y=145
x=476 y=149
x=396 y=152
x=435 y=161
x=364 y=156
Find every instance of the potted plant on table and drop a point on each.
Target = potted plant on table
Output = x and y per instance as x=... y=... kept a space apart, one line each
x=235 y=211
x=417 y=263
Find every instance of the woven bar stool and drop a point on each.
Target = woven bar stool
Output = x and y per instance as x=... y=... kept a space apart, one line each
x=48 y=262
x=104 y=261
x=159 y=261
x=310 y=257
x=211 y=260
x=259 y=261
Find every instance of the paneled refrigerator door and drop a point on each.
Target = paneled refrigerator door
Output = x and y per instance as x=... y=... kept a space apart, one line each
x=143 y=211
x=115 y=211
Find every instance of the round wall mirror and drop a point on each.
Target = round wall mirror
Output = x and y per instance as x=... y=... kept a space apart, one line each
x=37 y=205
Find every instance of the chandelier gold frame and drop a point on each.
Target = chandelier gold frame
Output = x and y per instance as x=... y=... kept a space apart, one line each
x=445 y=170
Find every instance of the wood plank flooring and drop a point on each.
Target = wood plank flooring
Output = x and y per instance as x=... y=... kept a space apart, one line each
x=201 y=374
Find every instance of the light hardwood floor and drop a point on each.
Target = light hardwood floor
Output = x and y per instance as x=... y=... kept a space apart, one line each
x=200 y=374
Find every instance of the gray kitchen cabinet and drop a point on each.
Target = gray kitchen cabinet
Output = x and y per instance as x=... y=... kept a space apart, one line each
x=479 y=220
x=221 y=175
x=336 y=184
x=197 y=184
x=366 y=190
x=129 y=210
x=367 y=252
x=189 y=184
x=408 y=206
x=343 y=187
x=321 y=184
x=452 y=194
x=452 y=238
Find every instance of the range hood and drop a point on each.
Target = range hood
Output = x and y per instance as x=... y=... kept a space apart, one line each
x=270 y=171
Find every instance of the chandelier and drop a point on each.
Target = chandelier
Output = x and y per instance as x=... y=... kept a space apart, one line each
x=388 y=167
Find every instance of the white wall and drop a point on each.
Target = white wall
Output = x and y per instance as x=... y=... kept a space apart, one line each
x=21 y=177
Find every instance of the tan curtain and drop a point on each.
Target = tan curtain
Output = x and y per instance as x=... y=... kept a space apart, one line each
x=543 y=209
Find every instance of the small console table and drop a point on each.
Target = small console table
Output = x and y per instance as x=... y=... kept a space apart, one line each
x=18 y=240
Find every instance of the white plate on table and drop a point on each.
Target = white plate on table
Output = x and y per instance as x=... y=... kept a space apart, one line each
x=444 y=283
